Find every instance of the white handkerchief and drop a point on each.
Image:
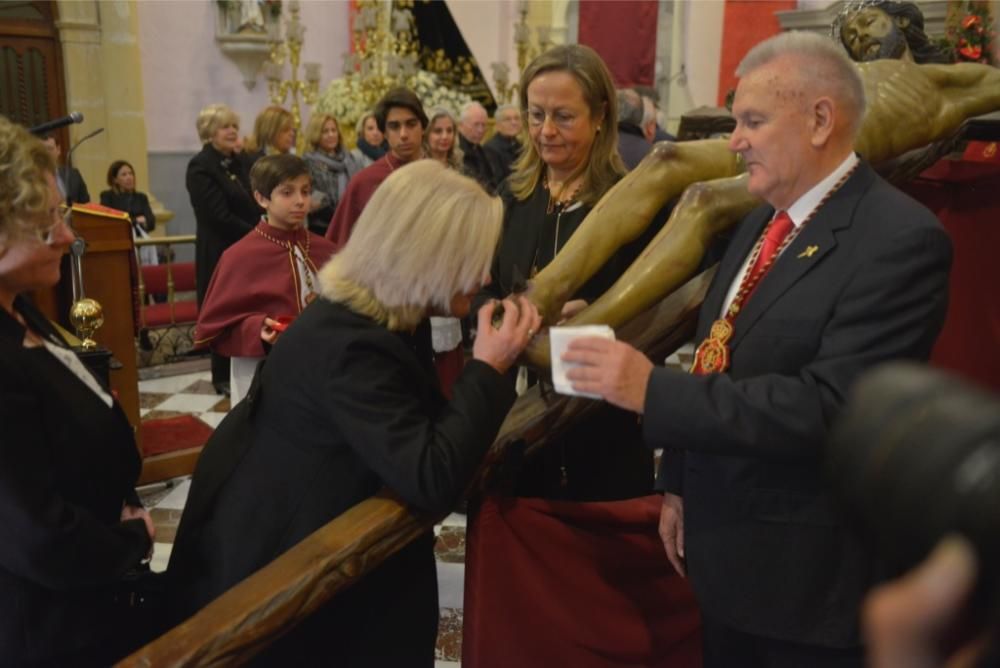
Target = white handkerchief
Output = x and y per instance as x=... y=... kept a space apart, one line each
x=559 y=338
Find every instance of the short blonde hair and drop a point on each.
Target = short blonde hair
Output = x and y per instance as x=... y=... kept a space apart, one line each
x=267 y=126
x=314 y=130
x=360 y=128
x=213 y=117
x=427 y=234
x=24 y=189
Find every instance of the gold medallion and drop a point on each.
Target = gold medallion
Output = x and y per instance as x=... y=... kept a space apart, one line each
x=712 y=355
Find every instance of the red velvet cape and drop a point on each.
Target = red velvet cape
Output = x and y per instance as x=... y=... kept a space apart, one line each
x=360 y=189
x=588 y=585
x=255 y=278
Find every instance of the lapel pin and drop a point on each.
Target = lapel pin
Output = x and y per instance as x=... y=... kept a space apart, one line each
x=809 y=251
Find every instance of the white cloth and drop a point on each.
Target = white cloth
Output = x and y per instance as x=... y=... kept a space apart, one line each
x=241 y=371
x=446 y=334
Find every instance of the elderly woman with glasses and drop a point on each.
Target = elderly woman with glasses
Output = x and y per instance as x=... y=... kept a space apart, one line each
x=71 y=525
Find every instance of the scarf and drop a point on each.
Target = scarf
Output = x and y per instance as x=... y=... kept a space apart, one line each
x=373 y=152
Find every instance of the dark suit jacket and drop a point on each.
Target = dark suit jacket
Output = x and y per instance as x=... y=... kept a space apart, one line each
x=76 y=188
x=343 y=408
x=224 y=208
x=67 y=464
x=768 y=552
x=135 y=204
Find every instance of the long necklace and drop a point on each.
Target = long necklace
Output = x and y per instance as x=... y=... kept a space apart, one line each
x=712 y=354
x=307 y=260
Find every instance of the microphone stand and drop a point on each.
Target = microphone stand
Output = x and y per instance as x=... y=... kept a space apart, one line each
x=79 y=245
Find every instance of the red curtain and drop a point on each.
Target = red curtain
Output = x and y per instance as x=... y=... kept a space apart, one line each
x=588 y=585
x=962 y=195
x=624 y=33
x=744 y=24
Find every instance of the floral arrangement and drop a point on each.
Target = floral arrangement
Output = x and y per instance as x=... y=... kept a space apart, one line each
x=970 y=34
x=345 y=99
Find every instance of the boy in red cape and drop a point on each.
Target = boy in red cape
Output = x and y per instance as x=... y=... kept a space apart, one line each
x=264 y=280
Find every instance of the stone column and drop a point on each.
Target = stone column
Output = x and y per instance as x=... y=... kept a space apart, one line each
x=102 y=68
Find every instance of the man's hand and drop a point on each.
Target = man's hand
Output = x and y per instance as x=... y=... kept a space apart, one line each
x=672 y=531
x=908 y=621
x=570 y=309
x=613 y=369
x=140 y=513
x=269 y=330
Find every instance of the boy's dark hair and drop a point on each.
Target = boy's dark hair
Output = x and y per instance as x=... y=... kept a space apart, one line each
x=271 y=171
x=399 y=97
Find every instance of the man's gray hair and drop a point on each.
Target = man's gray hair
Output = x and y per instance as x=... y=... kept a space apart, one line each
x=825 y=66
x=629 y=107
x=504 y=107
x=469 y=107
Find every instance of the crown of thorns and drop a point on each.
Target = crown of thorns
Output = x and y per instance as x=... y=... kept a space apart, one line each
x=848 y=9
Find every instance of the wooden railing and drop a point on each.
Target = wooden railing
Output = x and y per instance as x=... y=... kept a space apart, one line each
x=243 y=621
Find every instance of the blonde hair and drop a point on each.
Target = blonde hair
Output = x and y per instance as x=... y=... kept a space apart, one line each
x=314 y=130
x=266 y=128
x=455 y=155
x=24 y=190
x=426 y=234
x=213 y=117
x=603 y=167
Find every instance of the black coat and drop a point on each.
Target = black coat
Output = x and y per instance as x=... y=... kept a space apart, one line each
x=479 y=165
x=602 y=457
x=76 y=187
x=224 y=208
x=135 y=204
x=768 y=552
x=67 y=464
x=504 y=151
x=341 y=408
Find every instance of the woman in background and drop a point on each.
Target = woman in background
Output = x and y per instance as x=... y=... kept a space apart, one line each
x=330 y=166
x=123 y=196
x=441 y=139
x=71 y=524
x=273 y=132
x=218 y=184
x=441 y=144
x=371 y=143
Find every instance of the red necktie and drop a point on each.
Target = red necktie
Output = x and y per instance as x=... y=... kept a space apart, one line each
x=773 y=236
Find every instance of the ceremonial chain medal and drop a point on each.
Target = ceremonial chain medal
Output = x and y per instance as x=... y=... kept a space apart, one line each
x=712 y=355
x=290 y=247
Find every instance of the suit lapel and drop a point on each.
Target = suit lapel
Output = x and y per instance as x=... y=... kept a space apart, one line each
x=816 y=240
x=732 y=260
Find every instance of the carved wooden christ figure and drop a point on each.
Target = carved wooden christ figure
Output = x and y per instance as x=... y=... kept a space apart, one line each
x=908 y=106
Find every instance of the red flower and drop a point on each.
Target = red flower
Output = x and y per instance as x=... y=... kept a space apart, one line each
x=971 y=52
x=971 y=20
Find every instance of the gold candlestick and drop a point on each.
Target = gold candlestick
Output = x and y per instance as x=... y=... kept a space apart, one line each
x=294 y=88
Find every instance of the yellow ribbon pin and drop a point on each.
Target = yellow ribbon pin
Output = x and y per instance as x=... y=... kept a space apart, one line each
x=809 y=251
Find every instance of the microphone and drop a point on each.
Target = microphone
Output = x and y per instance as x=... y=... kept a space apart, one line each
x=69 y=164
x=56 y=123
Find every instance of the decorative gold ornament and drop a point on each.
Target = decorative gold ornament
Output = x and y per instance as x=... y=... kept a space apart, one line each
x=290 y=49
x=87 y=316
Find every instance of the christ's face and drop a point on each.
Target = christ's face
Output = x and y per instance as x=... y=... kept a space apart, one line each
x=871 y=34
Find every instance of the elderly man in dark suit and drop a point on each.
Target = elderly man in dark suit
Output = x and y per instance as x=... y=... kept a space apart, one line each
x=838 y=271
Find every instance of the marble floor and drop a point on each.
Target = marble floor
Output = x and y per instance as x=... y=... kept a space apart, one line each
x=189 y=391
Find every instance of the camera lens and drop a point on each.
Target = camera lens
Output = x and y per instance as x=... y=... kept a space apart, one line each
x=915 y=456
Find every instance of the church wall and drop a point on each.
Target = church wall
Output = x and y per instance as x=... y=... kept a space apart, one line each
x=184 y=69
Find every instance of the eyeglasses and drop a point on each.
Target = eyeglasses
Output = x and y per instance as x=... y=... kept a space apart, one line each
x=560 y=118
x=59 y=215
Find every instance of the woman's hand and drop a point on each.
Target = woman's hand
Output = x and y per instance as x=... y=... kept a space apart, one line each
x=570 y=309
x=500 y=347
x=141 y=220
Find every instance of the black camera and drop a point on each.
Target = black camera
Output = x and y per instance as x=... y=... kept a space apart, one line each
x=915 y=456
